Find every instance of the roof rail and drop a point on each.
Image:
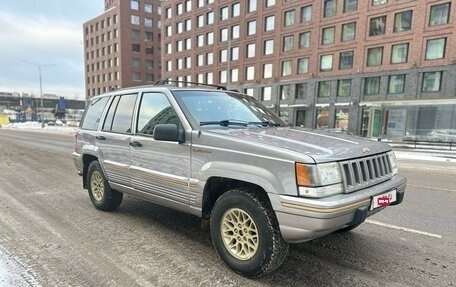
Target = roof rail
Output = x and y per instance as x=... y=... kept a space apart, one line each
x=167 y=82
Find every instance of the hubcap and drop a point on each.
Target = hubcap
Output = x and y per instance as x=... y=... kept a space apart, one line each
x=239 y=234
x=97 y=185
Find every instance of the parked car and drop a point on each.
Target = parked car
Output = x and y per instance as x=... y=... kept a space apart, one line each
x=223 y=156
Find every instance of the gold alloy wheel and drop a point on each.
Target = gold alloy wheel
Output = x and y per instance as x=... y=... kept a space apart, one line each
x=97 y=185
x=239 y=234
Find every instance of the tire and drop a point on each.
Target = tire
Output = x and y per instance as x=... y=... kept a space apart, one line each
x=102 y=196
x=256 y=225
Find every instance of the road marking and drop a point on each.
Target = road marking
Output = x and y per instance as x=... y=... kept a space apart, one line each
x=430 y=187
x=403 y=228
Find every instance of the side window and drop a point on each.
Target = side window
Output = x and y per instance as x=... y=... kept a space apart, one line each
x=155 y=109
x=107 y=126
x=93 y=113
x=123 y=114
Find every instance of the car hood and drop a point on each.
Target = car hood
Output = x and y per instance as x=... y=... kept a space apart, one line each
x=322 y=146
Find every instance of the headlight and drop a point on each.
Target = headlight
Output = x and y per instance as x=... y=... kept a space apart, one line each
x=318 y=180
x=392 y=160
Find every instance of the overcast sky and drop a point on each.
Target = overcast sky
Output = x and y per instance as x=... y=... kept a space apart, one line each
x=45 y=32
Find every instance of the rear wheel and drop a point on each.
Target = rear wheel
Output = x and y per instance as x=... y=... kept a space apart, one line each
x=245 y=233
x=102 y=196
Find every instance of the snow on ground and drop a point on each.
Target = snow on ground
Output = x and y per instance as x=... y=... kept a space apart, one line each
x=406 y=154
x=36 y=127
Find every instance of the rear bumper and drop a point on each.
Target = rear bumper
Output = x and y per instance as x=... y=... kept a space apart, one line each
x=303 y=219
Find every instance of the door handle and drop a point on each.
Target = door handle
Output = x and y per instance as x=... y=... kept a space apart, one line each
x=136 y=144
x=101 y=138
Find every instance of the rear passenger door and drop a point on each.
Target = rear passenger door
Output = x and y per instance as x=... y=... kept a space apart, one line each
x=160 y=170
x=114 y=140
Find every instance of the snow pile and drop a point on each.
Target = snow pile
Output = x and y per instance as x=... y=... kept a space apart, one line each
x=36 y=127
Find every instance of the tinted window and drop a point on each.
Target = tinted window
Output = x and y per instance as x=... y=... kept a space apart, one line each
x=93 y=113
x=155 y=109
x=123 y=114
x=110 y=115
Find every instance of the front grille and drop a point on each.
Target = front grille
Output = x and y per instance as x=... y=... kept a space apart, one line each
x=367 y=171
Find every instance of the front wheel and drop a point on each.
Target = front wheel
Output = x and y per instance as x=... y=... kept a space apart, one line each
x=101 y=194
x=245 y=233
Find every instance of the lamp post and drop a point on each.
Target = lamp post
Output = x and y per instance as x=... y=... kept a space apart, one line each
x=39 y=66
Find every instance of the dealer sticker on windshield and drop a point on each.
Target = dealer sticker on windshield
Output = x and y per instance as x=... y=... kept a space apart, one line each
x=384 y=199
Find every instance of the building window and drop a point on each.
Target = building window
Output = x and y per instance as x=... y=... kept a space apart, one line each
x=250 y=50
x=234 y=75
x=270 y=3
x=269 y=23
x=403 y=21
x=329 y=9
x=379 y=2
x=148 y=23
x=440 y=14
x=134 y=5
x=135 y=34
x=399 y=53
x=372 y=86
x=188 y=24
x=235 y=32
x=346 y=60
x=348 y=31
x=134 y=19
x=343 y=88
x=432 y=81
x=396 y=84
x=251 y=28
x=148 y=8
x=223 y=76
x=374 y=56
x=250 y=73
x=236 y=10
x=188 y=5
x=285 y=92
x=287 y=67
x=435 y=49
x=251 y=6
x=377 y=26
x=266 y=93
x=136 y=63
x=306 y=14
x=188 y=43
x=268 y=47
x=224 y=13
x=249 y=91
x=303 y=66
x=350 y=5
x=327 y=35
x=169 y=31
x=179 y=8
x=200 y=60
x=136 y=76
x=235 y=54
x=304 y=40
x=326 y=63
x=324 y=89
x=288 y=43
x=210 y=38
x=224 y=34
x=267 y=71
x=136 y=48
x=200 y=40
x=200 y=3
x=289 y=18
x=223 y=55
x=301 y=90
x=200 y=21
x=169 y=13
x=210 y=18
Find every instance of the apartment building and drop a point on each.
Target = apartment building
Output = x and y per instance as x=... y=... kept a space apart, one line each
x=122 y=46
x=378 y=68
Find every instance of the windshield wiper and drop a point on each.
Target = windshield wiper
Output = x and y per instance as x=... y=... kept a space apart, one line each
x=265 y=124
x=225 y=123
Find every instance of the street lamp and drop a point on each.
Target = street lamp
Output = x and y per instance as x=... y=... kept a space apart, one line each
x=39 y=66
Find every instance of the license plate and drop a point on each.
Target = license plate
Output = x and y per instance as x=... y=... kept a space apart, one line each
x=384 y=199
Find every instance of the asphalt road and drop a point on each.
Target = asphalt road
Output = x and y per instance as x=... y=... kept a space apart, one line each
x=50 y=235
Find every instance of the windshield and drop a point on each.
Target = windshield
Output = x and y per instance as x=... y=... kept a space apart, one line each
x=222 y=108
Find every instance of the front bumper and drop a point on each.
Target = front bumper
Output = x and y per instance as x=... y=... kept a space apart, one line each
x=302 y=219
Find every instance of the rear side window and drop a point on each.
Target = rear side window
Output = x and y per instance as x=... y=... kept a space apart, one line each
x=93 y=113
x=120 y=114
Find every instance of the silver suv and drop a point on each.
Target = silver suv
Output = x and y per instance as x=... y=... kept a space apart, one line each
x=224 y=157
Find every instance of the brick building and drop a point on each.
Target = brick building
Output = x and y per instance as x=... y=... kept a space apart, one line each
x=122 y=46
x=379 y=68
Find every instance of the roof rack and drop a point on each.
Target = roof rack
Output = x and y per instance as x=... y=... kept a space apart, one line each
x=167 y=82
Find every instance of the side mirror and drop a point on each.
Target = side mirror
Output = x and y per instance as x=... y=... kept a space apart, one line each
x=169 y=132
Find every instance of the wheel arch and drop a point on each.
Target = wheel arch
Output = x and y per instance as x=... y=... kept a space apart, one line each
x=87 y=159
